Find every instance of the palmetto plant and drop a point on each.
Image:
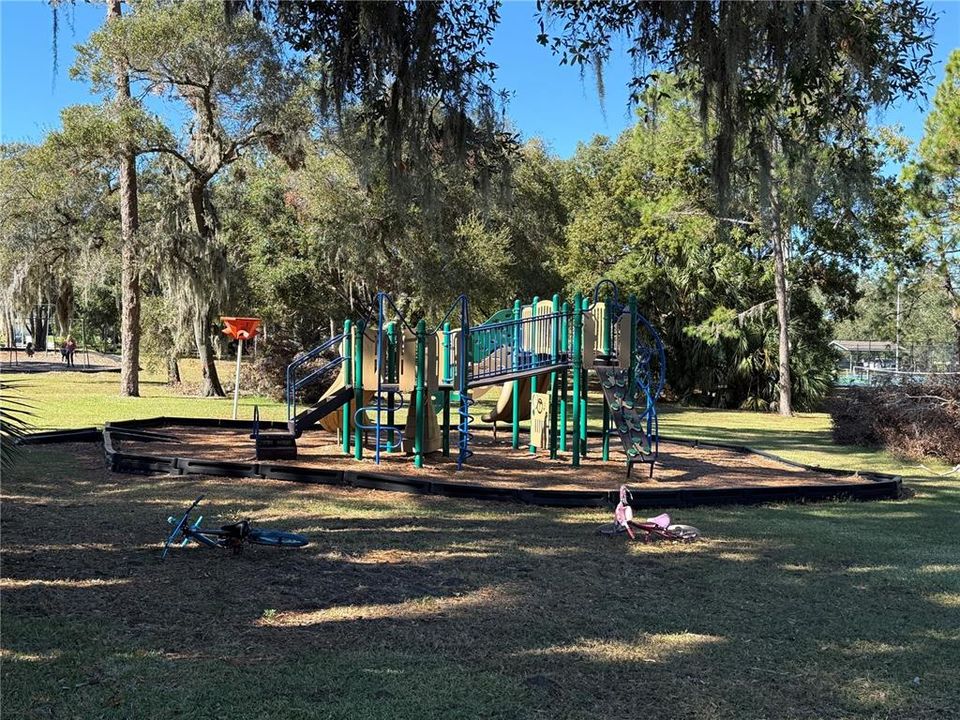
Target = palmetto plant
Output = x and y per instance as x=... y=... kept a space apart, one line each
x=14 y=422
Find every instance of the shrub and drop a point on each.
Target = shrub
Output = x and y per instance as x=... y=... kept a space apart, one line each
x=912 y=420
x=267 y=375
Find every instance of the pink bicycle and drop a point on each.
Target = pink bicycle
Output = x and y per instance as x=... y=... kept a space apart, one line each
x=655 y=528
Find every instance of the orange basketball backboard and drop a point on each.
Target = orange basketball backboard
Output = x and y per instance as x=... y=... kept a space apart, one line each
x=241 y=328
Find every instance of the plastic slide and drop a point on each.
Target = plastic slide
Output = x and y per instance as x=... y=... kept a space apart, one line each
x=504 y=409
x=333 y=422
x=432 y=440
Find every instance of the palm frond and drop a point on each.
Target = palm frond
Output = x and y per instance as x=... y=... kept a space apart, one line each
x=14 y=421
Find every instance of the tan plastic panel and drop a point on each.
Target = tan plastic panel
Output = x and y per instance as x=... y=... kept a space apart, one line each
x=543 y=329
x=623 y=341
x=526 y=334
x=408 y=363
x=370 y=362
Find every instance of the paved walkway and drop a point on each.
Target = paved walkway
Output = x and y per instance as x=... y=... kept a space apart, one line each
x=51 y=361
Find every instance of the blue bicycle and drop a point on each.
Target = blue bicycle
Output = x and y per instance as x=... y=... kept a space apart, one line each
x=229 y=537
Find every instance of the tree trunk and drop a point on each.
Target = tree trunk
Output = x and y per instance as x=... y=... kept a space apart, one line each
x=129 y=265
x=64 y=306
x=953 y=292
x=772 y=222
x=211 y=380
x=8 y=335
x=38 y=327
x=173 y=370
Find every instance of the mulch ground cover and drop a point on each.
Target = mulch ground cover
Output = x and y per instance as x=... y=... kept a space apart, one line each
x=496 y=463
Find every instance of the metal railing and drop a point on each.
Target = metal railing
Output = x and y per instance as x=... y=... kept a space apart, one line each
x=515 y=346
x=314 y=374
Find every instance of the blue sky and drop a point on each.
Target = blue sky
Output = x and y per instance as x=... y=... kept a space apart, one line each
x=549 y=101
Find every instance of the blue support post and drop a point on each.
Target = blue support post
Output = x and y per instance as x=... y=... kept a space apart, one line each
x=585 y=391
x=564 y=348
x=607 y=333
x=447 y=380
x=348 y=379
x=554 y=376
x=534 y=332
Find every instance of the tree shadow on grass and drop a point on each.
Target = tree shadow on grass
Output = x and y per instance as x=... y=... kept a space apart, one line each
x=404 y=605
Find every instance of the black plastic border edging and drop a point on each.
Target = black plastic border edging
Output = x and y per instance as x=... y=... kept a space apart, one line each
x=882 y=486
x=49 y=437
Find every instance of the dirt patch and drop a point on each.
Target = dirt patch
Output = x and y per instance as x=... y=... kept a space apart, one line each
x=496 y=464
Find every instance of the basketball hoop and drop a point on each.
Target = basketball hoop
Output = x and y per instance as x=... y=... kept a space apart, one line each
x=240 y=329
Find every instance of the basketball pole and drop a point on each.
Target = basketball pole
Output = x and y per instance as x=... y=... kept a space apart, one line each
x=236 y=380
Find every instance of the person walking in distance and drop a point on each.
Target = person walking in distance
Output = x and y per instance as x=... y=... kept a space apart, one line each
x=71 y=348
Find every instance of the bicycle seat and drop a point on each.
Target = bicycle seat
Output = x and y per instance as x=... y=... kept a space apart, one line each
x=238 y=529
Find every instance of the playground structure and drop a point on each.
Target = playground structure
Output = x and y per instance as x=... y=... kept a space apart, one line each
x=540 y=353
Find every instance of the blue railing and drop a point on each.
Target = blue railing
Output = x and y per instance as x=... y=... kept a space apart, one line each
x=515 y=346
x=294 y=384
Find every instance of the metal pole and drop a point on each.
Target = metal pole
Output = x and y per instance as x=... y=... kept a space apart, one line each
x=577 y=364
x=564 y=348
x=516 y=383
x=554 y=376
x=378 y=361
x=358 y=390
x=897 y=348
x=236 y=379
x=463 y=373
x=83 y=339
x=348 y=381
x=421 y=391
x=633 y=346
x=447 y=380
x=584 y=389
x=534 y=333
x=607 y=332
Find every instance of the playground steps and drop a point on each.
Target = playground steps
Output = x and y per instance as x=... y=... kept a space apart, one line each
x=276 y=446
x=324 y=407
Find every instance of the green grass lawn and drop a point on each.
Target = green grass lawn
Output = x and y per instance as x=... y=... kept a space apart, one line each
x=73 y=399
x=413 y=607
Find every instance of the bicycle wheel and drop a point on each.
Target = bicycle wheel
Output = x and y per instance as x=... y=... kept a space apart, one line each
x=687 y=533
x=276 y=538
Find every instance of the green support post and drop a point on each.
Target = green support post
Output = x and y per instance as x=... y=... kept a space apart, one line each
x=516 y=383
x=607 y=333
x=584 y=392
x=421 y=391
x=348 y=379
x=577 y=367
x=534 y=328
x=447 y=380
x=391 y=353
x=358 y=388
x=564 y=348
x=554 y=375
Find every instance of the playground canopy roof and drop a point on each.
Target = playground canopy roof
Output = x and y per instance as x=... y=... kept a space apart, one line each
x=864 y=346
